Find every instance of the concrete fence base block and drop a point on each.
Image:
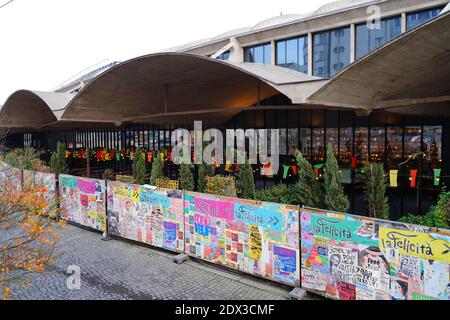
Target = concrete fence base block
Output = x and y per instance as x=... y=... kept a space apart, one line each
x=180 y=258
x=106 y=237
x=297 y=294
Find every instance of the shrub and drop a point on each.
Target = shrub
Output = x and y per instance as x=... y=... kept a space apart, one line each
x=438 y=216
x=58 y=159
x=221 y=186
x=157 y=170
x=186 y=177
x=245 y=181
x=335 y=198
x=26 y=159
x=204 y=171
x=310 y=192
x=280 y=194
x=139 y=168
x=375 y=190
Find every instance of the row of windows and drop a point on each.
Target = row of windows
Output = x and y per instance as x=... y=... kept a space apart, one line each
x=331 y=49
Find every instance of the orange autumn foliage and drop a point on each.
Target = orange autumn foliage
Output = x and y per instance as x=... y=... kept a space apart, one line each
x=27 y=236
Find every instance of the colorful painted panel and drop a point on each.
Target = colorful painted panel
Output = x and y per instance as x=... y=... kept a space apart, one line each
x=11 y=177
x=348 y=257
x=82 y=201
x=41 y=179
x=255 y=237
x=150 y=216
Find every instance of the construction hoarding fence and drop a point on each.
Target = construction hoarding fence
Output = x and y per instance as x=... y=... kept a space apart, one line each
x=10 y=177
x=82 y=201
x=32 y=179
x=349 y=257
x=154 y=217
x=254 y=237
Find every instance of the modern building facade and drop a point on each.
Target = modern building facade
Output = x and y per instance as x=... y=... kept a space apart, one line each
x=376 y=94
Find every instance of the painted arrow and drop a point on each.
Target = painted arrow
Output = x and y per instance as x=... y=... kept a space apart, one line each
x=272 y=219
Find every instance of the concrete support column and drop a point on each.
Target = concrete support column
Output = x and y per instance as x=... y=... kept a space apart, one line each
x=236 y=52
x=273 y=52
x=352 y=43
x=403 y=22
x=310 y=54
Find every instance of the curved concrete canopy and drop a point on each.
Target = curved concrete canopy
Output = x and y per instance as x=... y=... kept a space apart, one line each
x=172 y=84
x=32 y=109
x=411 y=71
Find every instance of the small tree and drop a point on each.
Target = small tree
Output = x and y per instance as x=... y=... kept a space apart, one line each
x=139 y=168
x=245 y=181
x=186 y=177
x=58 y=159
x=335 y=198
x=310 y=192
x=27 y=239
x=204 y=171
x=157 y=170
x=375 y=189
x=221 y=186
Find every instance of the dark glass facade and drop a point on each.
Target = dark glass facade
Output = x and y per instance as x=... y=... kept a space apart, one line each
x=367 y=40
x=293 y=54
x=258 y=54
x=415 y=19
x=381 y=137
x=331 y=52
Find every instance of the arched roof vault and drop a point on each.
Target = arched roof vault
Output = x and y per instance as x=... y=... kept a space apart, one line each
x=32 y=109
x=173 y=85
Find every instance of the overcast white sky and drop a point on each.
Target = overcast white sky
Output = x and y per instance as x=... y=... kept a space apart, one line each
x=45 y=42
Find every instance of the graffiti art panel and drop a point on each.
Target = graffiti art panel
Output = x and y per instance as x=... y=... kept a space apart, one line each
x=10 y=177
x=150 y=216
x=32 y=179
x=82 y=201
x=255 y=237
x=348 y=257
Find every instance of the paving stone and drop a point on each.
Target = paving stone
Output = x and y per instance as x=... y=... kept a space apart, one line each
x=121 y=270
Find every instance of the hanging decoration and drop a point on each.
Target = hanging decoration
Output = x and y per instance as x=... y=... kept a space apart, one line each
x=413 y=178
x=317 y=167
x=294 y=170
x=354 y=162
x=228 y=166
x=393 y=175
x=285 y=171
x=437 y=177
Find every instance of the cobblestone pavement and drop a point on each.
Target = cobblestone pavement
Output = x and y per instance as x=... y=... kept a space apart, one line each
x=121 y=270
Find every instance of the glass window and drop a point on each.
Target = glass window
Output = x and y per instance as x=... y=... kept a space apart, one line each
x=377 y=144
x=394 y=145
x=332 y=138
x=224 y=56
x=412 y=140
x=331 y=52
x=281 y=53
x=346 y=145
x=258 y=54
x=361 y=145
x=305 y=141
x=318 y=151
x=432 y=144
x=293 y=54
x=283 y=139
x=292 y=140
x=368 y=40
x=415 y=19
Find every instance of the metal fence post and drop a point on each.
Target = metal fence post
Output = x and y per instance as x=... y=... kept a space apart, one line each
x=106 y=235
